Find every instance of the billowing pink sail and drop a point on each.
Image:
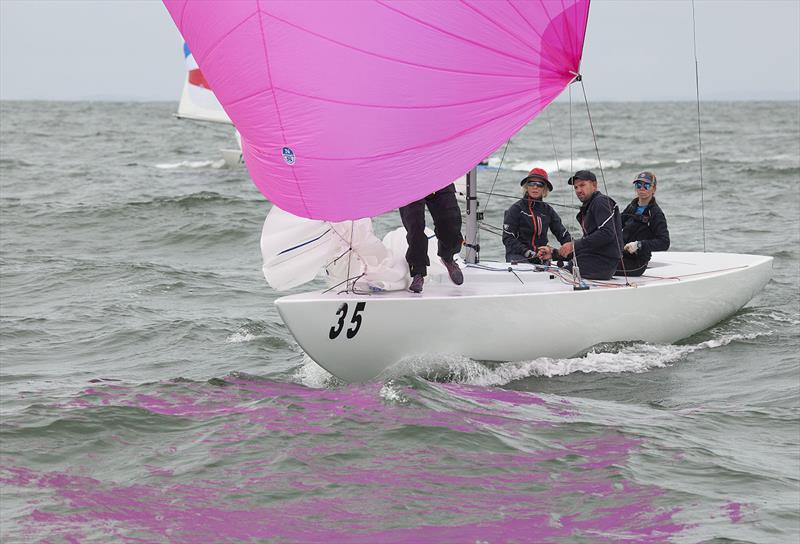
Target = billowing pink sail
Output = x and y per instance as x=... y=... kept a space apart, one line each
x=349 y=109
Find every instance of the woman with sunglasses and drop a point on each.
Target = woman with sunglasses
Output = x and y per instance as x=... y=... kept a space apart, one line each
x=527 y=221
x=644 y=227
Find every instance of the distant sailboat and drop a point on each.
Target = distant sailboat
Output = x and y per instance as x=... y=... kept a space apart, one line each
x=198 y=103
x=350 y=109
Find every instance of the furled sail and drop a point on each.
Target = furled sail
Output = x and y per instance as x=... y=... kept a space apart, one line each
x=197 y=99
x=350 y=109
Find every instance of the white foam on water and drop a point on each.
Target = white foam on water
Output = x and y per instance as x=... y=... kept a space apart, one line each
x=580 y=163
x=312 y=375
x=239 y=337
x=390 y=393
x=635 y=358
x=790 y=319
x=191 y=164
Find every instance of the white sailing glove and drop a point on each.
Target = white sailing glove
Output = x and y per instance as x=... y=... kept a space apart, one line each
x=530 y=254
x=633 y=247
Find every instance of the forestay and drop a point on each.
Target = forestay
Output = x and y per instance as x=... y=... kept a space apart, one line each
x=350 y=109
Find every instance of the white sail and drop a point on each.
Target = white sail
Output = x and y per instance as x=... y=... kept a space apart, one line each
x=198 y=101
x=295 y=250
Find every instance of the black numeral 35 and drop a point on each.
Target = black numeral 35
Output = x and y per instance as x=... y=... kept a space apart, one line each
x=355 y=321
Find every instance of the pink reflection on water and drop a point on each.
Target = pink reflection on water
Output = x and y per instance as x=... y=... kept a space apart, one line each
x=266 y=460
x=734 y=510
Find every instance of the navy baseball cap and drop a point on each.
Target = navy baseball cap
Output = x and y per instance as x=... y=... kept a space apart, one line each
x=582 y=174
x=646 y=177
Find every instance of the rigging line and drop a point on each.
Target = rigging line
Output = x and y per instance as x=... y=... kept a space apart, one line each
x=602 y=174
x=345 y=252
x=496 y=174
x=349 y=256
x=699 y=138
x=571 y=154
x=552 y=139
x=492 y=229
x=517 y=198
x=331 y=288
x=572 y=171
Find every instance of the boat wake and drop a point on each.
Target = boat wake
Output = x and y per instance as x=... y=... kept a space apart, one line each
x=604 y=358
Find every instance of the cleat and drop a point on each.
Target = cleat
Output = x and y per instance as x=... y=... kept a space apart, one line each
x=454 y=271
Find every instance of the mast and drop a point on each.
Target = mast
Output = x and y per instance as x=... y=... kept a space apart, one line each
x=472 y=247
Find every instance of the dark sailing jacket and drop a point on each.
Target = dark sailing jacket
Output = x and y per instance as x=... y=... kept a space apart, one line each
x=525 y=226
x=649 y=228
x=600 y=248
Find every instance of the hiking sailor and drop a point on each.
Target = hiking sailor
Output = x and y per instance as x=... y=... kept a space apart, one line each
x=527 y=221
x=599 y=251
x=644 y=227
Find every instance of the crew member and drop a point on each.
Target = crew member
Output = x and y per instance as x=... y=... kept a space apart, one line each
x=527 y=221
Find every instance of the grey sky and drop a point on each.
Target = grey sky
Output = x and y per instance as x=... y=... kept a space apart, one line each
x=635 y=50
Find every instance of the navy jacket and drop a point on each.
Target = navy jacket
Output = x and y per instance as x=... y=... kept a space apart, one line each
x=650 y=228
x=525 y=226
x=600 y=248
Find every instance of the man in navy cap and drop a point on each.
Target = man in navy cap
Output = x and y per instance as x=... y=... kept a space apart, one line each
x=599 y=251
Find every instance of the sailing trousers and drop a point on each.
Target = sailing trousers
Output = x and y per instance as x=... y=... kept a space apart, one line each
x=446 y=225
x=632 y=265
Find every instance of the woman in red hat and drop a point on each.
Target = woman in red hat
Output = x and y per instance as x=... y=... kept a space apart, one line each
x=527 y=221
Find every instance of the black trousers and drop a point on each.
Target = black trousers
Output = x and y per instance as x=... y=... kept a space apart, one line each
x=593 y=268
x=446 y=225
x=634 y=266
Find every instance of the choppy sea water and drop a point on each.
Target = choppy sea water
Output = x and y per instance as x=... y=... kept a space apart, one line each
x=149 y=392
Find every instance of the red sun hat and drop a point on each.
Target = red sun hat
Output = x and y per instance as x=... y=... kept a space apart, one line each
x=537 y=174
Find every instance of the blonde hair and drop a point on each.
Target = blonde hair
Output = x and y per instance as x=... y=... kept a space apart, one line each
x=545 y=191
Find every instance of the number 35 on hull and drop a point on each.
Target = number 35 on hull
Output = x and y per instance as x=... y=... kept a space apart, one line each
x=354 y=322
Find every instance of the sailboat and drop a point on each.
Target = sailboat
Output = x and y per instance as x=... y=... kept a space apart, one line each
x=198 y=103
x=349 y=109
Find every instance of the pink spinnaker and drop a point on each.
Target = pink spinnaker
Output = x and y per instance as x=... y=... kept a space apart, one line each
x=349 y=109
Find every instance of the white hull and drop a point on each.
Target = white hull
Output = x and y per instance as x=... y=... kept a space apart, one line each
x=232 y=157
x=496 y=317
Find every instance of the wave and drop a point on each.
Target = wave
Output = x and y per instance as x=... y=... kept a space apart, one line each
x=14 y=163
x=254 y=330
x=202 y=198
x=191 y=164
x=580 y=163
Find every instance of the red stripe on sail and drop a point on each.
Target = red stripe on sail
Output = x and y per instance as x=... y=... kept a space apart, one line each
x=197 y=79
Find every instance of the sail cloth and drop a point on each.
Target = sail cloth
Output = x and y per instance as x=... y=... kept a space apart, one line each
x=349 y=109
x=197 y=99
x=296 y=249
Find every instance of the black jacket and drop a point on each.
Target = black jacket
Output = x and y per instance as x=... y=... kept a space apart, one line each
x=650 y=228
x=600 y=248
x=525 y=226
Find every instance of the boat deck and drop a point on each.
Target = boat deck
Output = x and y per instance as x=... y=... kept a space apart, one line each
x=496 y=279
